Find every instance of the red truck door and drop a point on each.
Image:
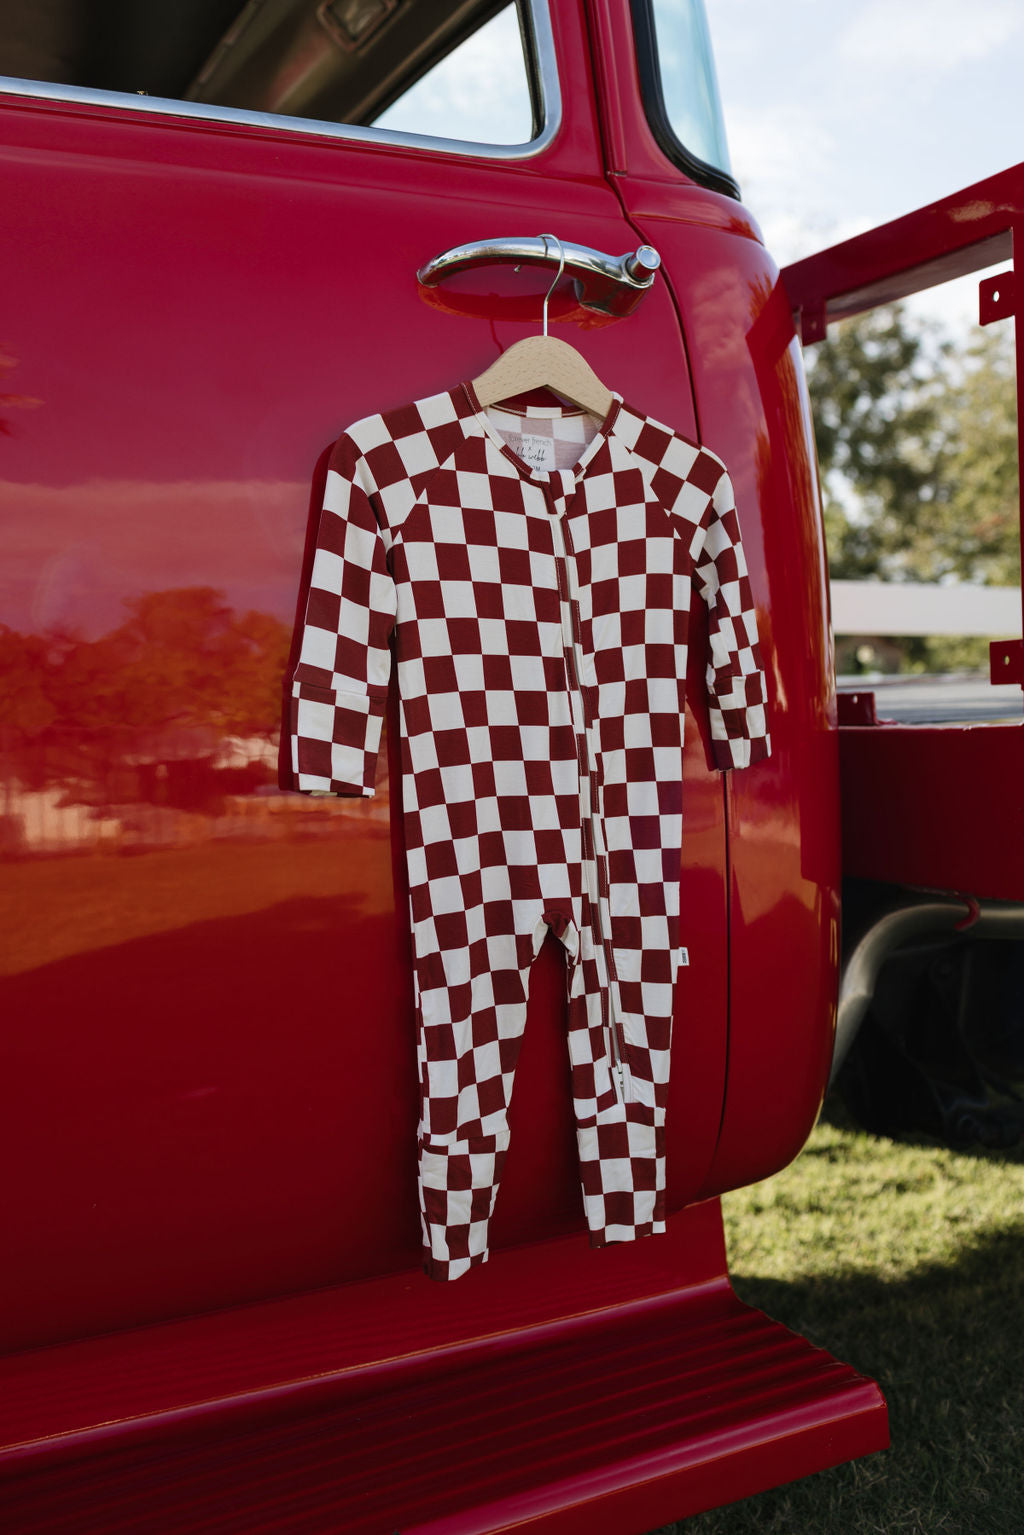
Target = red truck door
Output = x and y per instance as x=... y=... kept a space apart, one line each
x=215 y=973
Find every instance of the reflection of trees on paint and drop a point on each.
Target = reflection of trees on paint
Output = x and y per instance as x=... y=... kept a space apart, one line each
x=147 y=712
x=8 y=401
x=184 y=658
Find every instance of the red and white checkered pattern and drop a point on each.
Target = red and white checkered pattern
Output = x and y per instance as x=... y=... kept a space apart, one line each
x=532 y=572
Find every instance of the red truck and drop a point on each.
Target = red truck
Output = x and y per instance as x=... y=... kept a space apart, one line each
x=214 y=1312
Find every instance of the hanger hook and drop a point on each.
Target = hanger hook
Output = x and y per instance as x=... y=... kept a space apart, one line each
x=561 y=269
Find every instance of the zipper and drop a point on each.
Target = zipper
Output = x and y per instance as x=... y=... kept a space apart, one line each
x=570 y=645
x=609 y=1023
x=615 y=1029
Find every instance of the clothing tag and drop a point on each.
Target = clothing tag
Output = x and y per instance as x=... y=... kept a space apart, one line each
x=538 y=452
x=684 y=956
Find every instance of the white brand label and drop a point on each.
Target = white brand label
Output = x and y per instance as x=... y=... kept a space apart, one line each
x=684 y=956
x=538 y=452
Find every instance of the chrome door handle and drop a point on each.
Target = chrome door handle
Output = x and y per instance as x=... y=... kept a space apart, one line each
x=611 y=285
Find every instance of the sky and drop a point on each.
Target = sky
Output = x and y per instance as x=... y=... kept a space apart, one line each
x=841 y=116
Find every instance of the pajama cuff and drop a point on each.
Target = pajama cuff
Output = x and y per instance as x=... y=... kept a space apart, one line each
x=740 y=752
x=335 y=740
x=450 y=1268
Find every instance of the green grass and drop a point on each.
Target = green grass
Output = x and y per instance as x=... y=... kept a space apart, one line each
x=906 y=1261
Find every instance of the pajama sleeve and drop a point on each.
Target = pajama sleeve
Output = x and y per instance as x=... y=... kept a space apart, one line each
x=340 y=684
x=737 y=694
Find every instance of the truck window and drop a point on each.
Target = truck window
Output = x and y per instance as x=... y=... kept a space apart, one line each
x=677 y=71
x=480 y=91
x=453 y=69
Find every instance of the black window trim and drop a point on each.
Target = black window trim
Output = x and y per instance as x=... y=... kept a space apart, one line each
x=653 y=96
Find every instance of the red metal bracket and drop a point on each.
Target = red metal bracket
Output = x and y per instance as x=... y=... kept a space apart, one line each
x=813 y=324
x=856 y=709
x=1006 y=661
x=997 y=298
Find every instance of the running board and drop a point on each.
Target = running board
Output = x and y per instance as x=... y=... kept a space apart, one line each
x=597 y=1408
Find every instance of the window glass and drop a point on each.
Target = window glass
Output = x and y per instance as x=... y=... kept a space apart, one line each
x=688 y=82
x=453 y=69
x=480 y=92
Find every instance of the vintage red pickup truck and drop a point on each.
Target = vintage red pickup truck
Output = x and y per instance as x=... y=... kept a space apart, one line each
x=214 y=1312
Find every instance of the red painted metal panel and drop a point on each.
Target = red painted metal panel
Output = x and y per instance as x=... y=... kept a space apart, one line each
x=114 y=1387
x=216 y=974
x=930 y=806
x=652 y=1392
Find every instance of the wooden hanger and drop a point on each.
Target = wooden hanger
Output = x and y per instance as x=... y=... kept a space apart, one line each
x=544 y=362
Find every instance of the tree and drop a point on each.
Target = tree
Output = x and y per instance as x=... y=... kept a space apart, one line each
x=976 y=529
x=876 y=420
x=918 y=453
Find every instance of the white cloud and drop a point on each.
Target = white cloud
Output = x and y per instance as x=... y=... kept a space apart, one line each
x=783 y=157
x=783 y=141
x=779 y=148
x=925 y=36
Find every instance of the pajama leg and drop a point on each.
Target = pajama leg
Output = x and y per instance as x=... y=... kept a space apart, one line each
x=470 y=1034
x=619 y=1128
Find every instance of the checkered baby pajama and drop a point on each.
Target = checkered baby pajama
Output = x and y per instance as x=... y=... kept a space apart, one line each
x=533 y=571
